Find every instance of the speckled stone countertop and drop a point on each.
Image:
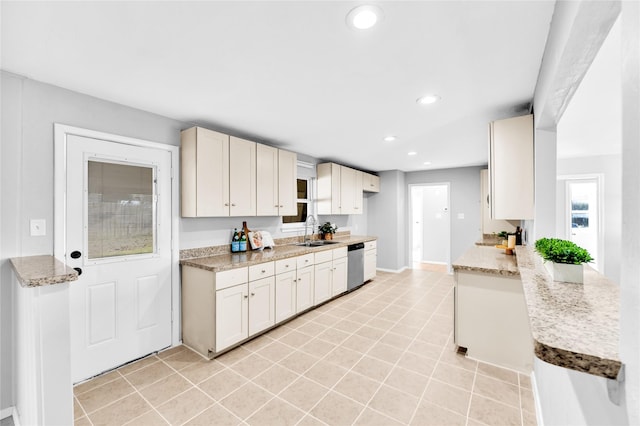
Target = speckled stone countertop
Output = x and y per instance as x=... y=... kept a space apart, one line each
x=37 y=271
x=489 y=260
x=489 y=240
x=223 y=262
x=575 y=326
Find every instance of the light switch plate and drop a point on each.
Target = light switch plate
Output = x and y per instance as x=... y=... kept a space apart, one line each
x=38 y=227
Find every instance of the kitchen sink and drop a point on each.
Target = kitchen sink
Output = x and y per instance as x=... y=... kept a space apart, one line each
x=317 y=243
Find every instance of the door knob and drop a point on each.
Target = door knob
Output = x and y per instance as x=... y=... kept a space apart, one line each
x=75 y=254
x=78 y=270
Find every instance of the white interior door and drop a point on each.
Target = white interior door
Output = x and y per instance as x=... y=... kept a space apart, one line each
x=118 y=233
x=435 y=224
x=416 y=222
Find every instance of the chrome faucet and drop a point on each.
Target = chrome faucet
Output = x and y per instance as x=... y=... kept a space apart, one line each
x=313 y=227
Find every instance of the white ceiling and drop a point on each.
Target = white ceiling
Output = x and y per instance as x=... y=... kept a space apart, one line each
x=293 y=74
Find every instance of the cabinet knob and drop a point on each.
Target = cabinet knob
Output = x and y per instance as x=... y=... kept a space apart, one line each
x=277 y=206
x=306 y=261
x=233 y=205
x=263 y=271
x=226 y=204
x=295 y=280
x=281 y=206
x=246 y=296
x=253 y=294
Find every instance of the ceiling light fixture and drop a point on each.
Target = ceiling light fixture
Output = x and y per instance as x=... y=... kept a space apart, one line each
x=427 y=163
x=411 y=153
x=390 y=138
x=428 y=99
x=364 y=17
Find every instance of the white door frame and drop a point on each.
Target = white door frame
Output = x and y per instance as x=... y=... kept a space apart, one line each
x=410 y=219
x=599 y=178
x=61 y=132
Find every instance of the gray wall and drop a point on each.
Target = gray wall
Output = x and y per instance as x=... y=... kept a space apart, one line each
x=610 y=167
x=464 y=197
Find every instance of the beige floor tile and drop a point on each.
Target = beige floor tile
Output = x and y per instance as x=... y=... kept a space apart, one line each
x=492 y=412
x=309 y=420
x=525 y=381
x=425 y=349
x=373 y=368
x=251 y=366
x=396 y=340
x=278 y=332
x=276 y=412
x=276 y=351
x=121 y=411
x=357 y=386
x=77 y=409
x=150 y=418
x=371 y=417
x=183 y=359
x=82 y=421
x=527 y=402
x=529 y=419
x=311 y=328
x=385 y=352
x=335 y=409
x=498 y=373
x=200 y=371
x=171 y=351
x=95 y=382
x=359 y=317
x=276 y=378
x=446 y=396
x=417 y=363
x=370 y=332
x=326 y=320
x=454 y=376
x=317 y=347
x=343 y=357
x=215 y=415
x=185 y=406
x=450 y=356
x=347 y=326
x=299 y=361
x=257 y=343
x=303 y=393
x=246 y=400
x=165 y=389
x=404 y=330
x=294 y=339
x=325 y=373
x=137 y=365
x=433 y=337
x=222 y=384
x=394 y=403
x=333 y=335
x=429 y=414
x=149 y=374
x=358 y=343
x=498 y=390
x=233 y=356
x=104 y=395
x=407 y=381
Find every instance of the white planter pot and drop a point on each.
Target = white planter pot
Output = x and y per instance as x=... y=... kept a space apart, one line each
x=566 y=272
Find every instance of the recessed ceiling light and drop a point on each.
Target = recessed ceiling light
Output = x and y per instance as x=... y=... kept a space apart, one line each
x=427 y=163
x=411 y=153
x=364 y=17
x=428 y=99
x=390 y=138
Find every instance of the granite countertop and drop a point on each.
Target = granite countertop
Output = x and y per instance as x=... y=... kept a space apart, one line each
x=223 y=262
x=575 y=326
x=37 y=271
x=489 y=260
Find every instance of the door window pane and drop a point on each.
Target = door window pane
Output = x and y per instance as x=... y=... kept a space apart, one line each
x=120 y=210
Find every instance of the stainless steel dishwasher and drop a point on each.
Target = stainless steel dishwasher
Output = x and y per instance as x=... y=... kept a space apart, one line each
x=355 y=266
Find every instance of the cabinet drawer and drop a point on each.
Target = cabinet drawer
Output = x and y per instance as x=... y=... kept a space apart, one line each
x=261 y=270
x=231 y=277
x=323 y=256
x=339 y=252
x=304 y=261
x=370 y=245
x=285 y=265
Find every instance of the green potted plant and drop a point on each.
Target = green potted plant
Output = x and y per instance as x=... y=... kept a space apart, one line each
x=327 y=230
x=563 y=259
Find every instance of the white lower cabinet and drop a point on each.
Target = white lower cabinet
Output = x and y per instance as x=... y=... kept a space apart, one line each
x=322 y=285
x=330 y=274
x=232 y=319
x=304 y=288
x=370 y=260
x=339 y=276
x=285 y=295
x=261 y=305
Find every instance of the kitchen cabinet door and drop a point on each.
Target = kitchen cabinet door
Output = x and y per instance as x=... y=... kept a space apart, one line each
x=287 y=183
x=232 y=308
x=304 y=289
x=204 y=157
x=329 y=199
x=322 y=285
x=286 y=287
x=339 y=276
x=370 y=259
x=489 y=225
x=242 y=177
x=370 y=183
x=348 y=184
x=267 y=202
x=261 y=305
x=511 y=168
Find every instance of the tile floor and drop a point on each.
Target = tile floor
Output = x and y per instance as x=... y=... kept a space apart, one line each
x=382 y=355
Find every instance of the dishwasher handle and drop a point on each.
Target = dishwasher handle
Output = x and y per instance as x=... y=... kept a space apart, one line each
x=357 y=246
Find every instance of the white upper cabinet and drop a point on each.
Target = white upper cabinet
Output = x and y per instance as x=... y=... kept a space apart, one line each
x=242 y=177
x=511 y=168
x=287 y=183
x=489 y=225
x=339 y=189
x=370 y=183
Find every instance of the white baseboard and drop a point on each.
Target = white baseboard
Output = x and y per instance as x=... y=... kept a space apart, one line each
x=536 y=399
x=393 y=271
x=10 y=412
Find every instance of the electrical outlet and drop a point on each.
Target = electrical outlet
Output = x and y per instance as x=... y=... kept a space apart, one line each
x=38 y=227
